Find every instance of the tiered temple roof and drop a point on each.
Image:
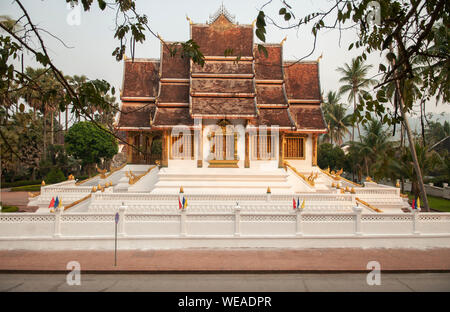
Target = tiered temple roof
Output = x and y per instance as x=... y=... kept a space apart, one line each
x=244 y=84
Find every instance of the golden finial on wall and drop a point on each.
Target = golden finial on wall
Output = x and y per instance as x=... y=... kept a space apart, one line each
x=268 y=190
x=397 y=184
x=353 y=190
x=333 y=184
x=320 y=57
x=94 y=189
x=181 y=189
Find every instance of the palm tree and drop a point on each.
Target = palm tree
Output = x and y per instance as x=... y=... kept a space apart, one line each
x=373 y=146
x=354 y=78
x=336 y=118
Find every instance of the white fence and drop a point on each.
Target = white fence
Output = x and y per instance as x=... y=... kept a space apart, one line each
x=183 y=229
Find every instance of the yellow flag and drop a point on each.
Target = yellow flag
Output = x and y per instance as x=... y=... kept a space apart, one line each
x=418 y=202
x=60 y=203
x=185 y=203
x=303 y=204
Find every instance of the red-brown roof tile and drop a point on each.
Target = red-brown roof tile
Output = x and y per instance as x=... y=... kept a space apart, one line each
x=223 y=67
x=172 y=116
x=269 y=67
x=221 y=35
x=274 y=117
x=222 y=85
x=174 y=93
x=140 y=78
x=302 y=80
x=222 y=107
x=174 y=66
x=270 y=94
x=136 y=114
x=307 y=116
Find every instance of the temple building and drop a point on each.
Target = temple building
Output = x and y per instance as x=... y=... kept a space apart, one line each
x=243 y=110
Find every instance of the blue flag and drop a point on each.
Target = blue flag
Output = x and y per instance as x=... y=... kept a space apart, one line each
x=184 y=200
x=56 y=202
x=298 y=202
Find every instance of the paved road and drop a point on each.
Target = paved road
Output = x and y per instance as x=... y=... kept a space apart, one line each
x=226 y=282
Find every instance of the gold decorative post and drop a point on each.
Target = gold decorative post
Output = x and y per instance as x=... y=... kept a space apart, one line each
x=165 y=150
x=281 y=150
x=200 y=148
x=247 y=152
x=129 y=148
x=314 y=151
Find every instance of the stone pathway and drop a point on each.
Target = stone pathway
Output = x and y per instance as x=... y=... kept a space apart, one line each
x=231 y=260
x=19 y=199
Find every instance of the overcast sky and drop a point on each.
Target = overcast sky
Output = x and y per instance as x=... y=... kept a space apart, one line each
x=92 y=41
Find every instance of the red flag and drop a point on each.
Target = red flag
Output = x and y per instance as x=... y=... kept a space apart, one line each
x=179 y=203
x=293 y=203
x=413 y=204
x=52 y=203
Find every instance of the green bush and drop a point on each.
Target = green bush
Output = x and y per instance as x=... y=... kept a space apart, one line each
x=10 y=209
x=55 y=176
x=20 y=183
x=27 y=188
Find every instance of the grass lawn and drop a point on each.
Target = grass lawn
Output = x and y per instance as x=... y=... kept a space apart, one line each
x=9 y=209
x=27 y=188
x=436 y=203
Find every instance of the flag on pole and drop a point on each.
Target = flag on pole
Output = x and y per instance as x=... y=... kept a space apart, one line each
x=185 y=204
x=52 y=203
x=298 y=202
x=293 y=203
x=56 y=202
x=418 y=203
x=413 y=204
x=303 y=204
x=60 y=203
x=179 y=203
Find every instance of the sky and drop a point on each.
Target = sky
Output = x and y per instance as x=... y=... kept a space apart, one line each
x=91 y=41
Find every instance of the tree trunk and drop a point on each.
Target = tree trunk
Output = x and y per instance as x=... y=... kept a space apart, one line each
x=412 y=148
x=52 y=136
x=45 y=136
x=67 y=115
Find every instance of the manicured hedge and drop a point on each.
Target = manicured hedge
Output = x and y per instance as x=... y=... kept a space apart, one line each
x=20 y=183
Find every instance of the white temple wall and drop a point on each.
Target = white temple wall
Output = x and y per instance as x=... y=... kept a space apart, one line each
x=304 y=165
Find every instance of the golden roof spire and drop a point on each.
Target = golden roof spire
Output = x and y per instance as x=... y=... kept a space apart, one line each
x=282 y=41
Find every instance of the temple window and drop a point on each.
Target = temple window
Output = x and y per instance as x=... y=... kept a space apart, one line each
x=294 y=147
x=182 y=146
x=263 y=146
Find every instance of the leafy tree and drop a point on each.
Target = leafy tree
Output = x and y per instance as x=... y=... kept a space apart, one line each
x=330 y=157
x=55 y=176
x=87 y=142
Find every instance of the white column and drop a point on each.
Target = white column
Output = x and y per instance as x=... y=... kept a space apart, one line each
x=57 y=227
x=237 y=220
x=415 y=216
x=357 y=210
x=183 y=222
x=121 y=225
x=298 y=227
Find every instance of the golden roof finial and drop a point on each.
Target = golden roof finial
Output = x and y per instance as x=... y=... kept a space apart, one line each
x=282 y=41
x=124 y=56
x=189 y=20
x=320 y=57
x=253 y=23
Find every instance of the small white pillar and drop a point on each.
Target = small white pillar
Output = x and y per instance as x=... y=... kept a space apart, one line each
x=299 y=219
x=237 y=220
x=57 y=227
x=357 y=210
x=415 y=218
x=121 y=225
x=183 y=222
